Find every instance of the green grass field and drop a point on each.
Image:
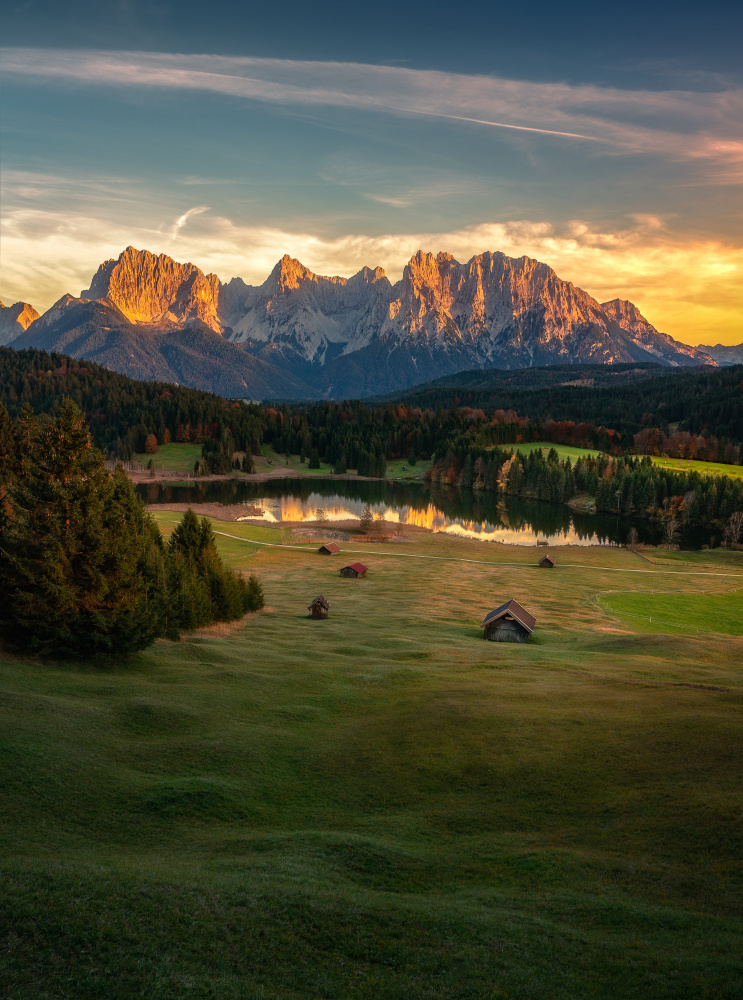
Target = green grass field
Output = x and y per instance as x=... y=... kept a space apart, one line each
x=704 y=468
x=563 y=450
x=173 y=457
x=394 y=466
x=383 y=805
x=678 y=614
x=680 y=464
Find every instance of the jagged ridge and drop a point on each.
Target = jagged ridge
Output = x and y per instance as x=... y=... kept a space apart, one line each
x=362 y=335
x=14 y=320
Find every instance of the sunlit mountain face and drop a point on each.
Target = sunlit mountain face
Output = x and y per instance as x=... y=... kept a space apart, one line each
x=303 y=335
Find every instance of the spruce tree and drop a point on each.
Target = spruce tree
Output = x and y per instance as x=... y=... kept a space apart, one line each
x=73 y=549
x=255 y=598
x=8 y=447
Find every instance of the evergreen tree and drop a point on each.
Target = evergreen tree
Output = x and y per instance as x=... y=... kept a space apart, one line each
x=74 y=545
x=8 y=447
x=255 y=598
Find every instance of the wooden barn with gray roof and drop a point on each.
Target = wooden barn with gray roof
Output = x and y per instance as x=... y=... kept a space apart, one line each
x=509 y=623
x=319 y=608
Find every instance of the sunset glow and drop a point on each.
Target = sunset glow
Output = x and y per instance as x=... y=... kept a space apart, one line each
x=627 y=182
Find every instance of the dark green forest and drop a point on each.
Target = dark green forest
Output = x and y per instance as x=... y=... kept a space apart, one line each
x=468 y=435
x=84 y=567
x=122 y=412
x=689 y=413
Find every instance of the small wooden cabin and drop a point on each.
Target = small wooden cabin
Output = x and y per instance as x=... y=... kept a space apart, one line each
x=355 y=570
x=319 y=608
x=329 y=549
x=547 y=562
x=509 y=623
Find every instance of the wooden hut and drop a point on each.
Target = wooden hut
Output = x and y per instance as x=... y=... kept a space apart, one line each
x=354 y=570
x=509 y=623
x=329 y=549
x=319 y=608
x=547 y=562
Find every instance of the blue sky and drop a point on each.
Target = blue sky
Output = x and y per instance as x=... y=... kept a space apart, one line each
x=608 y=143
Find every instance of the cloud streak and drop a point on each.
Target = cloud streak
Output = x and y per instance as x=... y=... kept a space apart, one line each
x=696 y=127
x=181 y=222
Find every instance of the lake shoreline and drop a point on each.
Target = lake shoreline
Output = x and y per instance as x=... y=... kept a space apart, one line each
x=139 y=477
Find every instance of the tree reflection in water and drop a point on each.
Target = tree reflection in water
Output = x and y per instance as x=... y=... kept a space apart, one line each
x=465 y=512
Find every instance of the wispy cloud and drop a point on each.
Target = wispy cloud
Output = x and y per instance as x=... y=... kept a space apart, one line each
x=383 y=199
x=702 y=127
x=688 y=286
x=181 y=222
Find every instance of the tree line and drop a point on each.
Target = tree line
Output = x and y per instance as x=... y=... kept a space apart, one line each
x=122 y=413
x=701 y=403
x=623 y=485
x=85 y=569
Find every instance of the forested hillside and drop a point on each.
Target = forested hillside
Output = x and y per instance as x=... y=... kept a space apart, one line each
x=629 y=399
x=122 y=412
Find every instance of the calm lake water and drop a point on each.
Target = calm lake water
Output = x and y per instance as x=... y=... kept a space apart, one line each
x=464 y=513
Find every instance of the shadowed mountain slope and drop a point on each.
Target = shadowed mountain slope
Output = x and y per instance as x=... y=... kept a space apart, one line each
x=307 y=334
x=192 y=355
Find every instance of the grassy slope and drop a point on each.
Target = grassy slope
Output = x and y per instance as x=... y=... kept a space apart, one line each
x=563 y=450
x=679 y=614
x=384 y=805
x=181 y=457
x=705 y=468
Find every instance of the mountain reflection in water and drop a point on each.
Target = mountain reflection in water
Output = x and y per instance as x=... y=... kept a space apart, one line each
x=464 y=513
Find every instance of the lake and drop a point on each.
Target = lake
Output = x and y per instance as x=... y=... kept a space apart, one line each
x=456 y=512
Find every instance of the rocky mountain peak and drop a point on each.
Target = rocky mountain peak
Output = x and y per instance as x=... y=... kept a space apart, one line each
x=367 y=276
x=624 y=312
x=155 y=289
x=364 y=334
x=289 y=274
x=626 y=315
x=15 y=319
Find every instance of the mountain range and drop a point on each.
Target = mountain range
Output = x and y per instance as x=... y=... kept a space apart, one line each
x=302 y=335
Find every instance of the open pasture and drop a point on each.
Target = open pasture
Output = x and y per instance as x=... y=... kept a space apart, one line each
x=383 y=805
x=398 y=468
x=563 y=450
x=694 y=465
x=664 y=462
x=173 y=457
x=678 y=614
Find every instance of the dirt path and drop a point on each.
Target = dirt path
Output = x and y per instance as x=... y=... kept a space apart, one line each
x=487 y=562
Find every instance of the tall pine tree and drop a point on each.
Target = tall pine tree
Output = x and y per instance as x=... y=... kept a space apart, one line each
x=74 y=545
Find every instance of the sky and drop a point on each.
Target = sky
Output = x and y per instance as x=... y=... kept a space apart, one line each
x=605 y=141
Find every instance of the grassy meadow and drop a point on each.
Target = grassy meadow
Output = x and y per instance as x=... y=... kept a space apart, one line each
x=173 y=457
x=396 y=468
x=180 y=458
x=563 y=450
x=703 y=468
x=677 y=464
x=383 y=805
